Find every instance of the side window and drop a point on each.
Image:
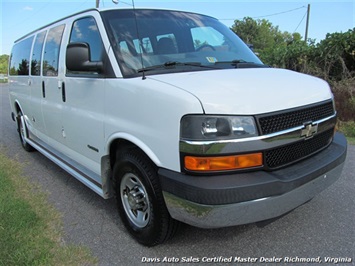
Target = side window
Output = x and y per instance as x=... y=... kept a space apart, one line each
x=51 y=51
x=37 y=54
x=207 y=36
x=147 y=45
x=85 y=30
x=144 y=45
x=20 y=58
x=139 y=45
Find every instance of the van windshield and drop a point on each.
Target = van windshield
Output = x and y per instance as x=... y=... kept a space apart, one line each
x=161 y=41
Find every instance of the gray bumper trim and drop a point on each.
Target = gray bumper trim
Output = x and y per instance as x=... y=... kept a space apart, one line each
x=215 y=216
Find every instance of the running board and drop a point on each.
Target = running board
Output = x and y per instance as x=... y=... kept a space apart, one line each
x=81 y=173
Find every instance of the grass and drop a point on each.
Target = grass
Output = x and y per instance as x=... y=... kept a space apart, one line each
x=30 y=228
x=348 y=128
x=351 y=140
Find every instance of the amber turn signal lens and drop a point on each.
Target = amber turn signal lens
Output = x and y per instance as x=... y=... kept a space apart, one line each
x=222 y=163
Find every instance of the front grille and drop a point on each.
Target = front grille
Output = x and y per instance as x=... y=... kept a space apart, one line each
x=282 y=156
x=281 y=121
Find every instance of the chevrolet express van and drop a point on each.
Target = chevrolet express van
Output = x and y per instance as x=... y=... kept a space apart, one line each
x=171 y=113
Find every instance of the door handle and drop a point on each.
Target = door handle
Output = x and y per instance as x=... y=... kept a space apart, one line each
x=43 y=89
x=63 y=92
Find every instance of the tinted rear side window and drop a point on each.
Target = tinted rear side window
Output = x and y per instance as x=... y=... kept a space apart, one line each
x=20 y=58
x=51 y=51
x=37 y=54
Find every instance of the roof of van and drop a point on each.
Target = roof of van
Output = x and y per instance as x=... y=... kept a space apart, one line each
x=98 y=10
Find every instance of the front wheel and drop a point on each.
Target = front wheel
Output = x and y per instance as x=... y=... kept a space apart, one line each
x=140 y=200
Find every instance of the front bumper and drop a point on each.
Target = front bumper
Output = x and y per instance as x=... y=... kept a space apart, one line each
x=227 y=200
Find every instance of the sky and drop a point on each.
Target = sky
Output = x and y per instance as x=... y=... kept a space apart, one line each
x=19 y=17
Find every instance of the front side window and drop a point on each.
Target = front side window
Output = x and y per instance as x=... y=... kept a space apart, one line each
x=86 y=30
x=20 y=58
x=51 y=51
x=162 y=41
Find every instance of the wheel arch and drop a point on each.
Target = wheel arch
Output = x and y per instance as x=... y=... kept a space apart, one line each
x=123 y=141
x=17 y=107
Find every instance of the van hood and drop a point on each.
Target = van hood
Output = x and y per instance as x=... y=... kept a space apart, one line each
x=249 y=91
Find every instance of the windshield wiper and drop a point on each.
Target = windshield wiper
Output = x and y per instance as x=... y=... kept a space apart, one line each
x=172 y=64
x=240 y=63
x=177 y=63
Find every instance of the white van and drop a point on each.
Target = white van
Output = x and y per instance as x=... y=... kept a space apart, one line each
x=174 y=115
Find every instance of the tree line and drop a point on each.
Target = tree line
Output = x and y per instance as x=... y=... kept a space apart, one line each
x=4 y=59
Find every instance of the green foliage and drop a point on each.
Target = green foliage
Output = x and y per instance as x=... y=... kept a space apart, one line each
x=4 y=63
x=344 y=91
x=262 y=34
x=336 y=55
x=294 y=55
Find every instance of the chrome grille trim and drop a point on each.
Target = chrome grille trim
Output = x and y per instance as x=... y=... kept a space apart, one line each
x=279 y=121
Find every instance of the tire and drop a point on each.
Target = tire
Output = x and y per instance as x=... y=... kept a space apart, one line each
x=22 y=130
x=140 y=200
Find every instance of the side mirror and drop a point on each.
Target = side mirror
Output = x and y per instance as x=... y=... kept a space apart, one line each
x=78 y=58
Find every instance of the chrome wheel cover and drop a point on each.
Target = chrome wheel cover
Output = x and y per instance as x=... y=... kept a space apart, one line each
x=135 y=200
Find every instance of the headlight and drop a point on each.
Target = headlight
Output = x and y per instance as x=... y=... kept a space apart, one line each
x=201 y=127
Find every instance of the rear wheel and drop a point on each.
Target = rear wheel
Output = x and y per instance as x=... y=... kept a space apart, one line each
x=140 y=200
x=22 y=130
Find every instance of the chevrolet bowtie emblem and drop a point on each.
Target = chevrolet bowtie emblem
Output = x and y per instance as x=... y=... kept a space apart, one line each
x=309 y=130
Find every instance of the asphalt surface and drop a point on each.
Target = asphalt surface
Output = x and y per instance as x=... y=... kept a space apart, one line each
x=325 y=227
